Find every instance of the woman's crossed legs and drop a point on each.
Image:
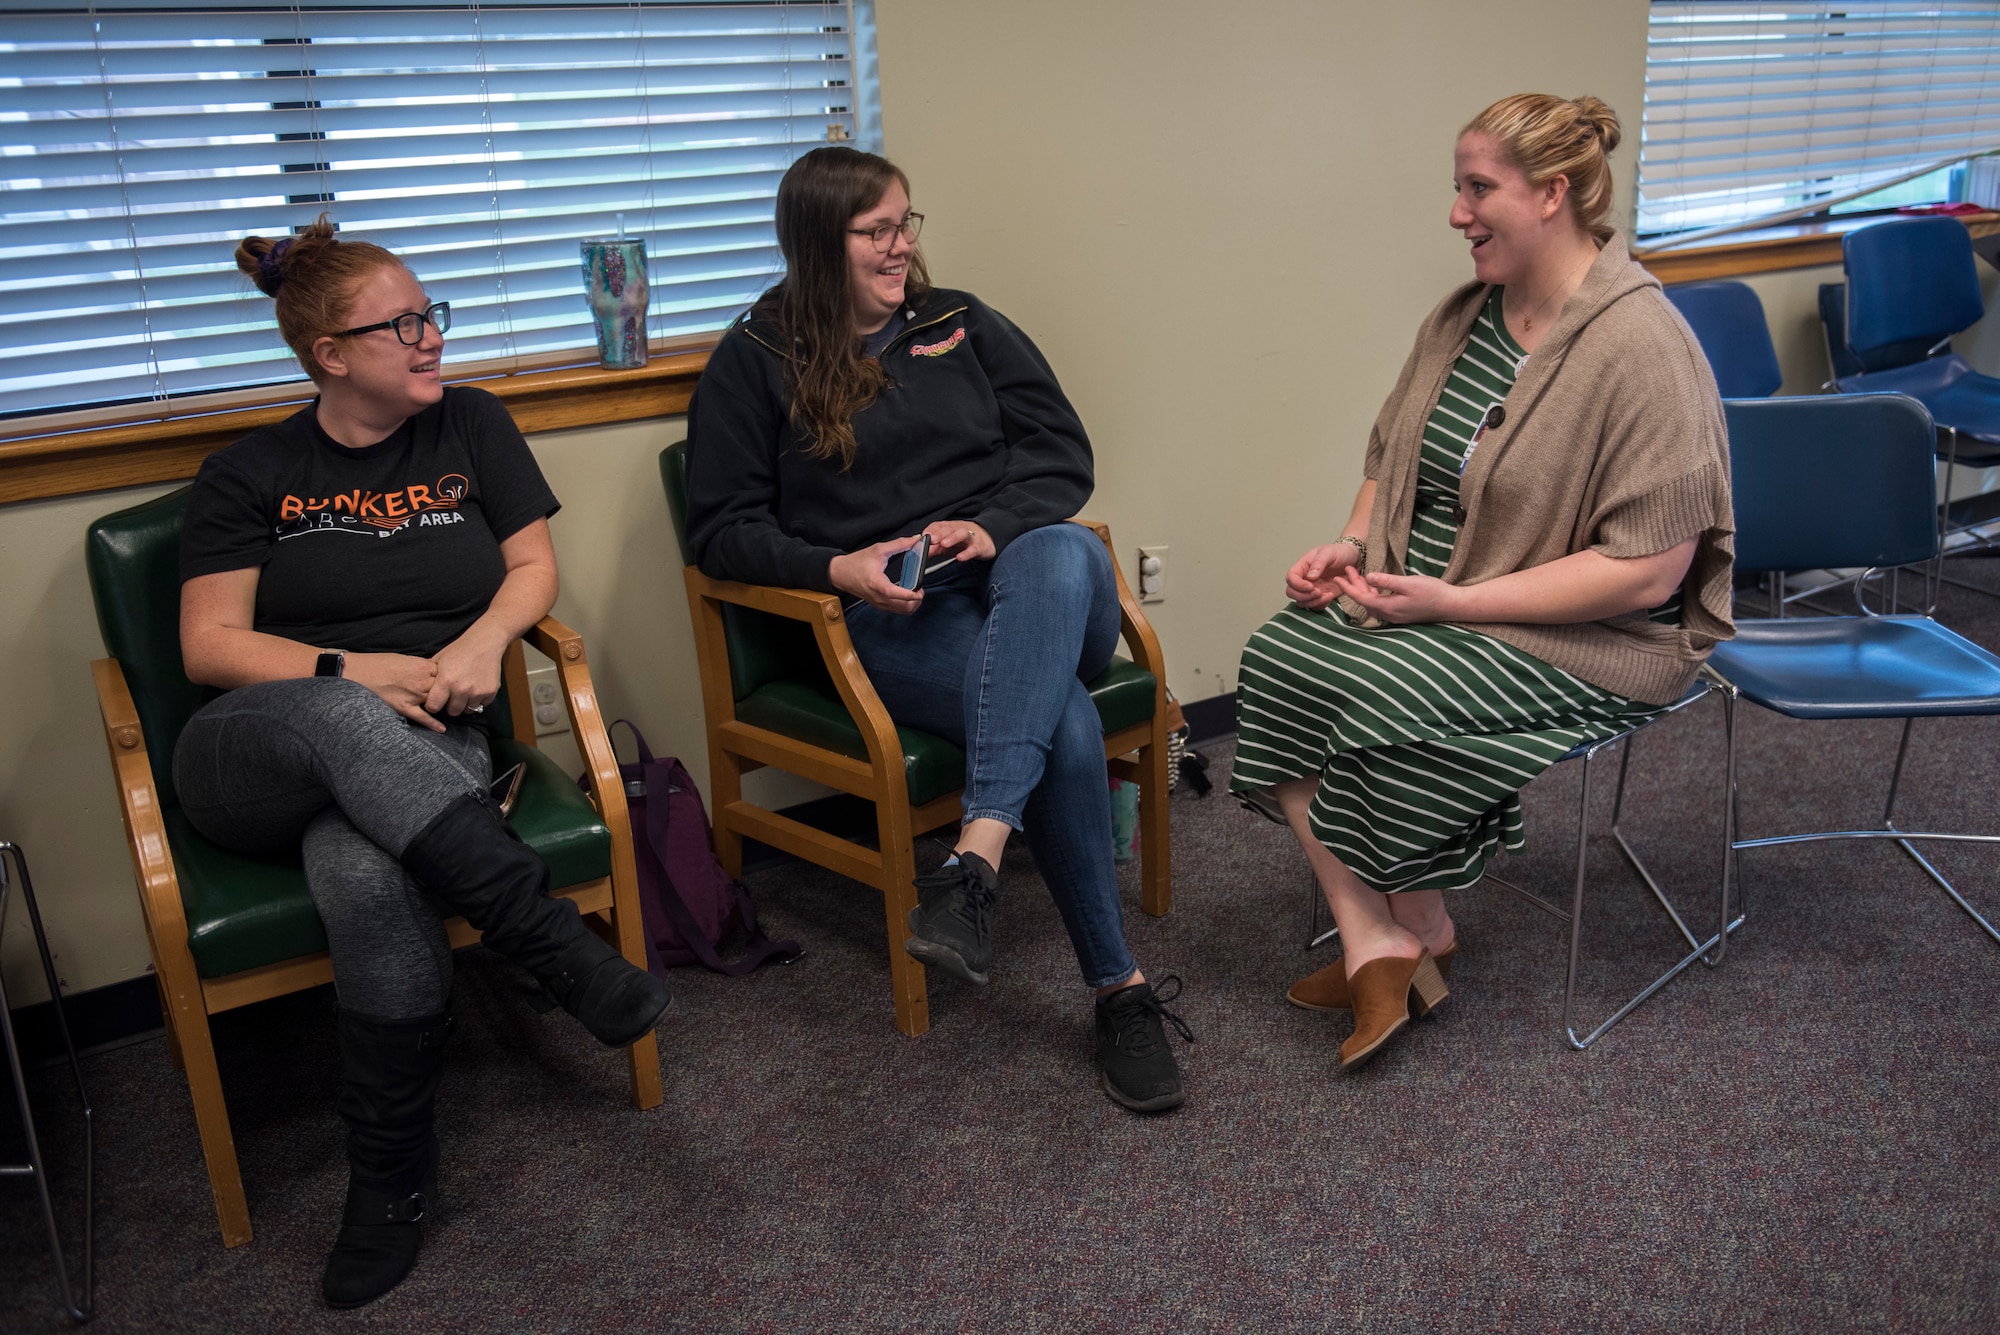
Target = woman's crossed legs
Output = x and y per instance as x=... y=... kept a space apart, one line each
x=995 y=661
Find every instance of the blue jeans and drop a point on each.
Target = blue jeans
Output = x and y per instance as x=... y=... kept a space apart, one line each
x=995 y=661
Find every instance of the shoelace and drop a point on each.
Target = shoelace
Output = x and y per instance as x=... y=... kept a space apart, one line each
x=1133 y=1035
x=976 y=904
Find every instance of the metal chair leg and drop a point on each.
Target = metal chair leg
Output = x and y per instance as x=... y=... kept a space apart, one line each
x=1709 y=950
x=77 y=1300
x=1889 y=822
x=1315 y=900
x=1904 y=839
x=1701 y=948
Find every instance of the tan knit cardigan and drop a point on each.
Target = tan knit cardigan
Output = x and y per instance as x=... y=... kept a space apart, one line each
x=1613 y=442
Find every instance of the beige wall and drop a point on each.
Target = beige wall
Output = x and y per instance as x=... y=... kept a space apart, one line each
x=1221 y=223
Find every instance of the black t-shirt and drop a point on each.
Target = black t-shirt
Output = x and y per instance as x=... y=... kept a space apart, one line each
x=394 y=548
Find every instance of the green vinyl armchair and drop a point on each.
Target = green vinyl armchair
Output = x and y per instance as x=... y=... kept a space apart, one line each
x=228 y=930
x=781 y=686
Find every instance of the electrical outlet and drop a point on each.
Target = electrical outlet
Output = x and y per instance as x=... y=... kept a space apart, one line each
x=545 y=692
x=1152 y=574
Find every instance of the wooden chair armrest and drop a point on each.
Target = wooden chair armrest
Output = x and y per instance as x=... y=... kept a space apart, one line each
x=792 y=604
x=145 y=822
x=1139 y=635
x=824 y=613
x=564 y=647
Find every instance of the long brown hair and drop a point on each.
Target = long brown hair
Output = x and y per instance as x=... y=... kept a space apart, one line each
x=1547 y=136
x=312 y=277
x=813 y=306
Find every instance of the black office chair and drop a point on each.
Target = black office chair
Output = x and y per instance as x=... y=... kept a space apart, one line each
x=1835 y=481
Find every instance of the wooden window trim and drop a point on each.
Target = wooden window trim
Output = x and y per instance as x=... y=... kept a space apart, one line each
x=68 y=454
x=1799 y=246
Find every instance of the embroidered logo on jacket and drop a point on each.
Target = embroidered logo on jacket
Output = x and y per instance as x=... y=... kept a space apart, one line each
x=939 y=349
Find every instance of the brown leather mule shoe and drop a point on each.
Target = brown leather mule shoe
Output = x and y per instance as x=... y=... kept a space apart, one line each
x=1384 y=991
x=1327 y=989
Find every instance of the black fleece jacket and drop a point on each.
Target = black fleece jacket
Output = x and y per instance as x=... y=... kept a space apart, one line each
x=973 y=426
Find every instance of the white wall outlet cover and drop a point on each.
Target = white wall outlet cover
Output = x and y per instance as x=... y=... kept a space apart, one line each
x=545 y=695
x=1152 y=574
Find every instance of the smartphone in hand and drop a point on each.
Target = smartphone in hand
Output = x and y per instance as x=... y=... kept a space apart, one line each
x=910 y=574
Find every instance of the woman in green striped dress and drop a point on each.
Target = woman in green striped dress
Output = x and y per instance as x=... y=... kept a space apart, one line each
x=1539 y=557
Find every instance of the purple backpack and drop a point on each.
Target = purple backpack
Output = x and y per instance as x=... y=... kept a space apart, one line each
x=686 y=900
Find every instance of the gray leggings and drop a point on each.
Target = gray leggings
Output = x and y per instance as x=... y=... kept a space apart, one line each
x=324 y=766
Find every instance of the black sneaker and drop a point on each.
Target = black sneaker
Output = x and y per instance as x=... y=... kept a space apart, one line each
x=952 y=924
x=1135 y=1064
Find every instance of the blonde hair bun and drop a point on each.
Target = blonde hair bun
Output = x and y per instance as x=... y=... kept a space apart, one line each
x=1601 y=118
x=1547 y=136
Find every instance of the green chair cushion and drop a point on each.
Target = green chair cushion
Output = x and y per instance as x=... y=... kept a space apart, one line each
x=1123 y=694
x=794 y=709
x=246 y=911
x=556 y=817
x=242 y=911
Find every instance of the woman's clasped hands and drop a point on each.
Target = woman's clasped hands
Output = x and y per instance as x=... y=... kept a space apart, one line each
x=1403 y=599
x=463 y=675
x=1328 y=571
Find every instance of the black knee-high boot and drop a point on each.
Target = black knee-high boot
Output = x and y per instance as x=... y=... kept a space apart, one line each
x=472 y=859
x=388 y=1093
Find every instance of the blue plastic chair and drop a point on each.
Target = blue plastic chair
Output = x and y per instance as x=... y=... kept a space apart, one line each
x=1911 y=285
x=1836 y=481
x=1728 y=322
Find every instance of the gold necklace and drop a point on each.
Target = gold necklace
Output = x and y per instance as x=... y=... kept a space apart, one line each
x=1528 y=324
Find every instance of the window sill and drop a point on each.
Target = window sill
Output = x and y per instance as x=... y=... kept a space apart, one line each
x=96 y=450
x=1799 y=246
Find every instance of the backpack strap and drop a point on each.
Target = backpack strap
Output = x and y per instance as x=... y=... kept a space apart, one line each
x=645 y=752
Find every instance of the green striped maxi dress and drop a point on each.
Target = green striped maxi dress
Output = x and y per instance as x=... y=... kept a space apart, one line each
x=1421 y=736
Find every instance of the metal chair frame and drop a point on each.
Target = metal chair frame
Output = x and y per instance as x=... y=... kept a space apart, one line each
x=1709 y=951
x=77 y=1299
x=1888 y=829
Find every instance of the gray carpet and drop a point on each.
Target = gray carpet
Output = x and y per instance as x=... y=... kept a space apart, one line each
x=1803 y=1139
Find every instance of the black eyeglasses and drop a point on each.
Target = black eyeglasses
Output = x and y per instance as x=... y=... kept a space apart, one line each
x=912 y=224
x=409 y=326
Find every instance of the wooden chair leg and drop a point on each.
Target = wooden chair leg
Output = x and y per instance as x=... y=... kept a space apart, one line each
x=643 y=1060
x=1156 y=865
x=167 y=1021
x=907 y=982
x=725 y=786
x=211 y=1119
x=906 y=973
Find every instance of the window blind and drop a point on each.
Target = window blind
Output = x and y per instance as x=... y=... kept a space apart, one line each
x=478 y=141
x=1754 y=109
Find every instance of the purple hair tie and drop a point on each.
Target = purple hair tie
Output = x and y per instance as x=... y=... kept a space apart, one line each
x=267 y=263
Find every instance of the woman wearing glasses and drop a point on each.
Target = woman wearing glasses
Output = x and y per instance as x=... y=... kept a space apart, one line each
x=350 y=579
x=853 y=413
